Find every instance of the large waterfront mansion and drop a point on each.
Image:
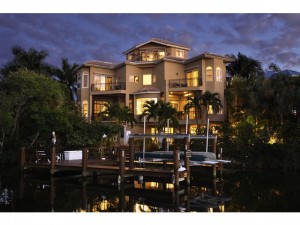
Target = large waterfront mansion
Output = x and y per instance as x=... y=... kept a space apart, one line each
x=154 y=70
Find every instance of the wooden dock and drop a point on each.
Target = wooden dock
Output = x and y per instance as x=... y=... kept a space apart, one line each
x=119 y=166
x=122 y=164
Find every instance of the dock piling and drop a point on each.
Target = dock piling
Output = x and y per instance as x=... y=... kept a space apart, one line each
x=187 y=155
x=22 y=159
x=53 y=159
x=176 y=166
x=121 y=165
x=84 y=161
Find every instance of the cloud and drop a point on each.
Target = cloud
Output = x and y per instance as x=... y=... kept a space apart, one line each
x=82 y=37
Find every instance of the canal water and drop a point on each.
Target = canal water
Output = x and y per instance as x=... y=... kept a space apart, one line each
x=232 y=191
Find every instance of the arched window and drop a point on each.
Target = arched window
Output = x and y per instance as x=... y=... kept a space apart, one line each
x=209 y=73
x=85 y=80
x=219 y=74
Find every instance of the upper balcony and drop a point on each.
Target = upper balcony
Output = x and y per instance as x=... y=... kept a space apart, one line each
x=108 y=86
x=187 y=82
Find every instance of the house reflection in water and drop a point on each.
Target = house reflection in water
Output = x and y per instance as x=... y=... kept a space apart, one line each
x=137 y=194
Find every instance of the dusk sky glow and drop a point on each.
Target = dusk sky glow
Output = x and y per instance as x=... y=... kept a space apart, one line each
x=105 y=36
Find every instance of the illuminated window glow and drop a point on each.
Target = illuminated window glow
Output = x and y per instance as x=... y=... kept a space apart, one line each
x=179 y=53
x=147 y=79
x=218 y=74
x=209 y=73
x=140 y=102
x=85 y=109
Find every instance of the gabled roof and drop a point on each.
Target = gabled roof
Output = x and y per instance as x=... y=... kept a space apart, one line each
x=207 y=55
x=97 y=63
x=159 y=41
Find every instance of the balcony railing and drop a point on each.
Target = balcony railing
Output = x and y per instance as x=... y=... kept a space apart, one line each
x=108 y=86
x=191 y=82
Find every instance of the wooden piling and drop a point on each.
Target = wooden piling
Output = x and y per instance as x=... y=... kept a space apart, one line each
x=121 y=165
x=53 y=160
x=84 y=161
x=22 y=159
x=83 y=206
x=52 y=193
x=176 y=153
x=131 y=153
x=187 y=155
x=214 y=145
x=214 y=149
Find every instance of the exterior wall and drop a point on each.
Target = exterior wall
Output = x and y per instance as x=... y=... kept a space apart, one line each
x=162 y=72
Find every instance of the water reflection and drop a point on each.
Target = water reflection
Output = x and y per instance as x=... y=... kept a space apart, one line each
x=249 y=191
x=102 y=193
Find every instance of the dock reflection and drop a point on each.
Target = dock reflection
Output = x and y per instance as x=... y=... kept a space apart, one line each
x=101 y=193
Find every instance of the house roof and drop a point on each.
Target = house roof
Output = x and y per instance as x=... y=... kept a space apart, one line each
x=207 y=55
x=159 y=41
x=147 y=90
x=102 y=64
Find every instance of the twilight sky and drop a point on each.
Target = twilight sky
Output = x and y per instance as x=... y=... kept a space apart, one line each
x=105 y=36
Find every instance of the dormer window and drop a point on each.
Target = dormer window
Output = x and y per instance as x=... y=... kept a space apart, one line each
x=130 y=57
x=179 y=53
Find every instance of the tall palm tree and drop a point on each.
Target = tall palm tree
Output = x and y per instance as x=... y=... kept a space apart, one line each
x=118 y=114
x=211 y=100
x=150 y=109
x=68 y=76
x=244 y=66
x=195 y=102
x=274 y=67
x=32 y=59
x=166 y=112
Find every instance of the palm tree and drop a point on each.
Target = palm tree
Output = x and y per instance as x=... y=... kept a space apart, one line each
x=166 y=112
x=195 y=102
x=211 y=100
x=151 y=111
x=244 y=66
x=274 y=67
x=236 y=96
x=68 y=76
x=120 y=115
x=32 y=60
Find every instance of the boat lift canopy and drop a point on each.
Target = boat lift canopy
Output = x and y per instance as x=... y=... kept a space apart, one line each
x=174 y=136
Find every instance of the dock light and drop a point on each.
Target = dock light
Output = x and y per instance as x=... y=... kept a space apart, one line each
x=54 y=138
x=181 y=168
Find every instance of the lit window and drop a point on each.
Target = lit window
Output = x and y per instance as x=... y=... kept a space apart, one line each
x=154 y=78
x=220 y=111
x=130 y=57
x=85 y=81
x=210 y=109
x=179 y=53
x=99 y=106
x=209 y=73
x=218 y=74
x=175 y=104
x=140 y=102
x=147 y=79
x=144 y=56
x=85 y=109
x=134 y=79
x=161 y=55
x=192 y=78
